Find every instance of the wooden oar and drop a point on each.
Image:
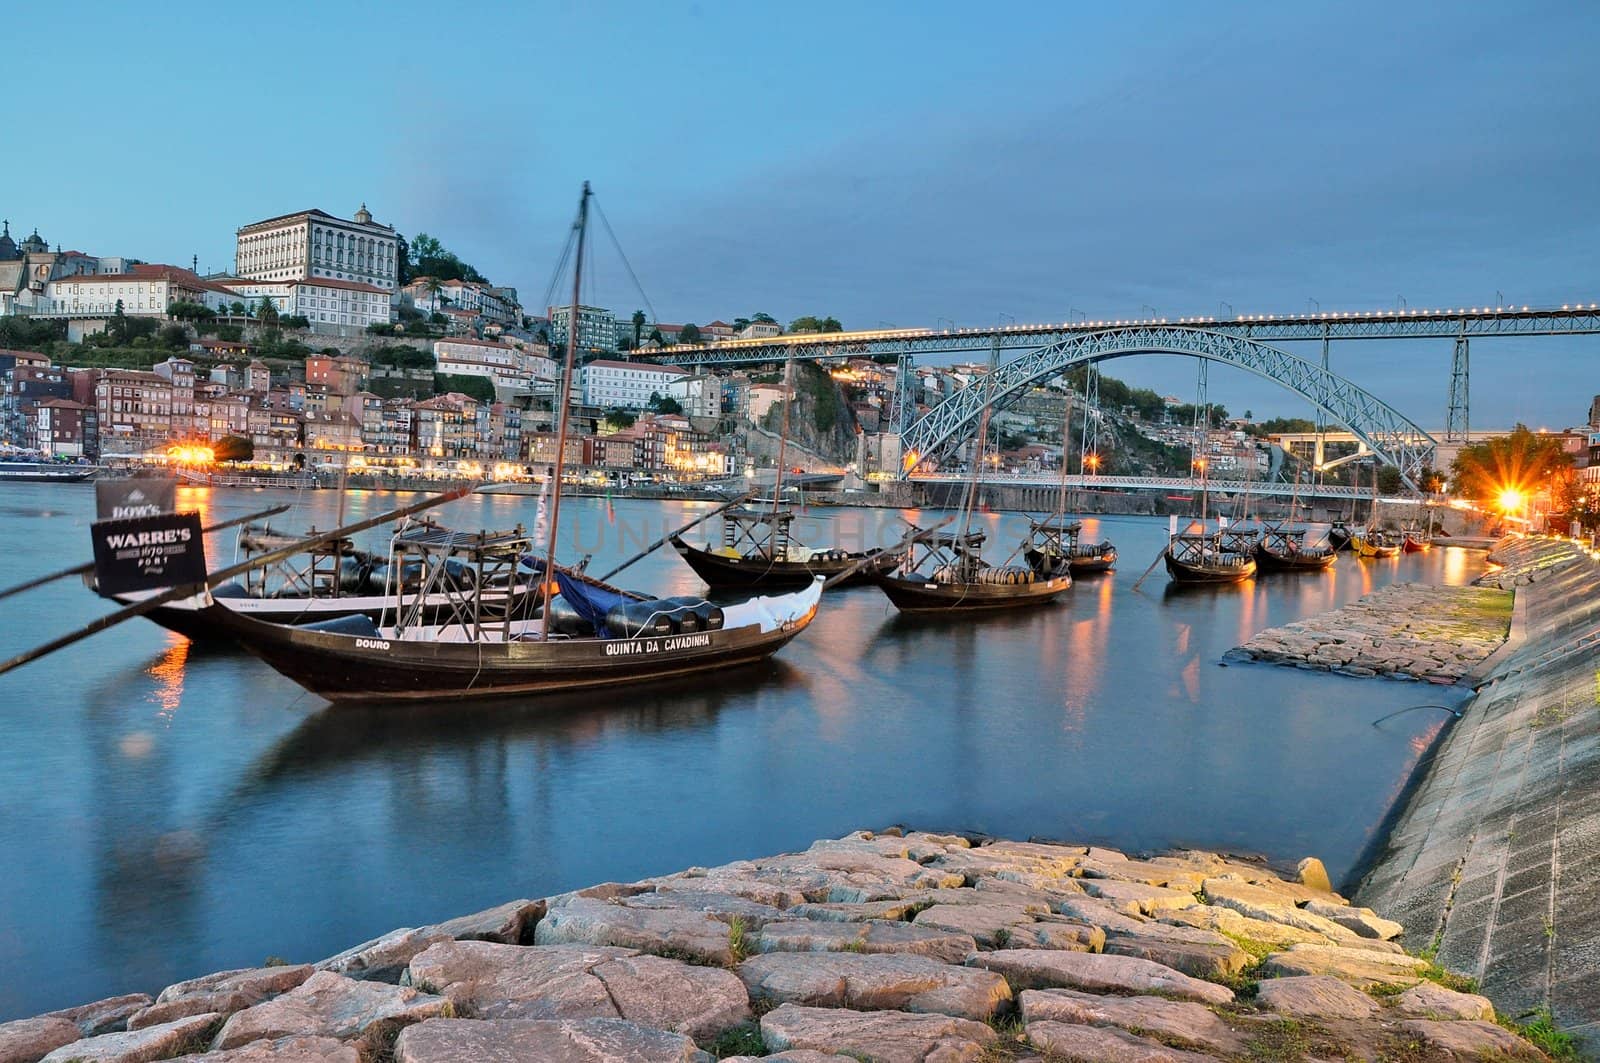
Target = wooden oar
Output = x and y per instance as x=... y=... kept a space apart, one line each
x=78 y=570
x=916 y=534
x=659 y=543
x=172 y=594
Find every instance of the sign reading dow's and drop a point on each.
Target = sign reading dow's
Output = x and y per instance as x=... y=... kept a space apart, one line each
x=148 y=553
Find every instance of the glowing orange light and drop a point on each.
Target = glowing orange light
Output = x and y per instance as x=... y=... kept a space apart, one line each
x=1511 y=499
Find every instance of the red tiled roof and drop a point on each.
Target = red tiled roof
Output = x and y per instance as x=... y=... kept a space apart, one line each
x=61 y=404
x=471 y=342
x=149 y=272
x=312 y=213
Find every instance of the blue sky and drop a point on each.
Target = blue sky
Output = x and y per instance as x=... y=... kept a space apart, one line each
x=883 y=162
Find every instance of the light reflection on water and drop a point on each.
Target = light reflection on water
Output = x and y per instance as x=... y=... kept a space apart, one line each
x=168 y=809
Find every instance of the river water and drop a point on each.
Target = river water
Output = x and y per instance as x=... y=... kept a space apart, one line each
x=168 y=810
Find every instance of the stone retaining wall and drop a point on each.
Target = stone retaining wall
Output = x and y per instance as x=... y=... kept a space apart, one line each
x=1494 y=859
x=893 y=947
x=1404 y=631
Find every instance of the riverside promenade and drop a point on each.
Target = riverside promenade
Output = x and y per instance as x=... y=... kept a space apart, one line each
x=1493 y=862
x=903 y=948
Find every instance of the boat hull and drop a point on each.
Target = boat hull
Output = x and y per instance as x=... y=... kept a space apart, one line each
x=1190 y=572
x=1415 y=546
x=752 y=574
x=1089 y=565
x=1268 y=560
x=925 y=596
x=1365 y=548
x=350 y=668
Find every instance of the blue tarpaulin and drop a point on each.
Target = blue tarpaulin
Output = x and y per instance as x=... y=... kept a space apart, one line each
x=591 y=602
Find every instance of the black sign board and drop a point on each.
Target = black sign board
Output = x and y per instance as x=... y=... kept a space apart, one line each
x=148 y=553
x=141 y=496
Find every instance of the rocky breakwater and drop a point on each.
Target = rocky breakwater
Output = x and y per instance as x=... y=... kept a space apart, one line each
x=1404 y=631
x=903 y=948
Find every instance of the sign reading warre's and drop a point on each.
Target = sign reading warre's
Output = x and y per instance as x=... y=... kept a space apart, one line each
x=148 y=553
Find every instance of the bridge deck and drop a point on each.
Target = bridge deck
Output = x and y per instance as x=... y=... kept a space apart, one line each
x=1178 y=484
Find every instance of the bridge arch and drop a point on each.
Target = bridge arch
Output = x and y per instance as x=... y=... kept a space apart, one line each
x=1387 y=433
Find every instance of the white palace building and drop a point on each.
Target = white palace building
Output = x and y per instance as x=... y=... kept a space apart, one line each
x=313 y=245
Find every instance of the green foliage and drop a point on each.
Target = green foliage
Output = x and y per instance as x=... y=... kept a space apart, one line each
x=738 y=939
x=689 y=333
x=237 y=308
x=1281 y=1040
x=1545 y=1035
x=430 y=258
x=266 y=312
x=297 y=321
x=638 y=320
x=1388 y=480
x=742 y=1040
x=479 y=387
x=660 y=403
x=234 y=448
x=1522 y=461
x=618 y=419
x=174 y=335
x=1283 y=425
x=184 y=310
x=399 y=356
x=765 y=319
x=28 y=334
x=123 y=331
x=810 y=323
x=817 y=386
x=231 y=333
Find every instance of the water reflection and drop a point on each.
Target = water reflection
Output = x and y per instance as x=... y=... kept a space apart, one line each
x=177 y=809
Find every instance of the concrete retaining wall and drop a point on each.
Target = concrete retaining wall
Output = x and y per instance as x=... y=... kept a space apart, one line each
x=1496 y=858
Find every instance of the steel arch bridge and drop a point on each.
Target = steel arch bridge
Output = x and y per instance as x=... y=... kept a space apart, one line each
x=1389 y=434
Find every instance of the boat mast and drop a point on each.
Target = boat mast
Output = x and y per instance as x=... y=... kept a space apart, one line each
x=983 y=436
x=783 y=435
x=1066 y=434
x=561 y=416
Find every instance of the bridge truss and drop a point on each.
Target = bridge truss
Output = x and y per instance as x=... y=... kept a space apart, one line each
x=1389 y=434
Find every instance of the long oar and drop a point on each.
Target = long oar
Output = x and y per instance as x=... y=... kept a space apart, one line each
x=172 y=594
x=78 y=570
x=659 y=543
x=916 y=534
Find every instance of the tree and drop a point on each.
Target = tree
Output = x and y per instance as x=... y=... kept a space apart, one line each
x=809 y=323
x=1520 y=464
x=237 y=308
x=431 y=259
x=1388 y=480
x=618 y=419
x=766 y=319
x=437 y=318
x=402 y=260
x=185 y=310
x=638 y=326
x=740 y=324
x=479 y=387
x=655 y=336
x=174 y=335
x=689 y=333
x=299 y=321
x=435 y=292
x=267 y=313
x=233 y=448
x=117 y=327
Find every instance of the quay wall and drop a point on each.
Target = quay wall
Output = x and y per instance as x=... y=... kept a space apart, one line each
x=1494 y=859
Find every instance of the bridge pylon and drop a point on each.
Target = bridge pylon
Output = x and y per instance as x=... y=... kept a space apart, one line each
x=1457 y=423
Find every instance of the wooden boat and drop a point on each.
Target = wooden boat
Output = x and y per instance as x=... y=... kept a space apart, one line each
x=1339 y=536
x=1282 y=548
x=329 y=581
x=478 y=651
x=1415 y=545
x=1198 y=557
x=1372 y=543
x=947 y=573
x=587 y=634
x=1054 y=541
x=757 y=551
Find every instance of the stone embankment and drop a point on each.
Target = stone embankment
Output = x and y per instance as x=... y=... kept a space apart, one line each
x=897 y=947
x=1404 y=631
x=1493 y=860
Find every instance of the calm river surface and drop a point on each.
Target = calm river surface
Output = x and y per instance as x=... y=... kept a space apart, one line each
x=167 y=810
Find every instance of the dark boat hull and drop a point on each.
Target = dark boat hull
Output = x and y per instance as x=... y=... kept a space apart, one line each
x=925 y=596
x=1268 y=560
x=1092 y=565
x=347 y=668
x=719 y=571
x=1188 y=572
x=1416 y=546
